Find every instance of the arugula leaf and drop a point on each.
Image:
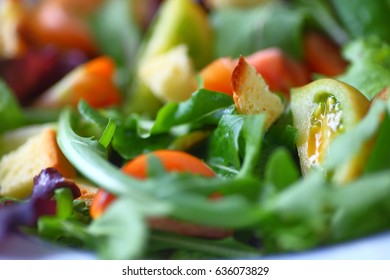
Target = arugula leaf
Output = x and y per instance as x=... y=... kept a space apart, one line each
x=323 y=14
x=91 y=114
x=379 y=158
x=235 y=145
x=279 y=135
x=202 y=104
x=88 y=156
x=281 y=170
x=298 y=217
x=10 y=111
x=129 y=144
x=115 y=22
x=226 y=248
x=121 y=232
x=272 y=25
x=369 y=68
x=362 y=207
x=233 y=211
x=224 y=153
x=252 y=133
x=369 y=78
x=67 y=232
x=362 y=18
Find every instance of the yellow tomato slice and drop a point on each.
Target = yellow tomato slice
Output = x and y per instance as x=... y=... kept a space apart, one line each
x=322 y=110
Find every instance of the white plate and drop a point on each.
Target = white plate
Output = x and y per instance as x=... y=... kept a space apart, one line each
x=377 y=247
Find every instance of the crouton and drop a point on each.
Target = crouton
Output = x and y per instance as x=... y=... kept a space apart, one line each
x=18 y=168
x=13 y=139
x=170 y=76
x=251 y=93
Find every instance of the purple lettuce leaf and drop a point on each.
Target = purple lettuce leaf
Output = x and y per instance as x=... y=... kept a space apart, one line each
x=15 y=214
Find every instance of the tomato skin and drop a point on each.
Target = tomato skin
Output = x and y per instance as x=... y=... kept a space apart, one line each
x=322 y=55
x=100 y=202
x=92 y=82
x=61 y=23
x=173 y=161
x=217 y=75
x=279 y=71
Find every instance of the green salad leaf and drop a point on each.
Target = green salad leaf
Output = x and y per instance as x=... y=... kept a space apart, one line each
x=362 y=207
x=226 y=248
x=298 y=216
x=369 y=69
x=10 y=111
x=362 y=18
x=263 y=26
x=202 y=104
x=115 y=22
x=118 y=237
x=379 y=158
x=224 y=155
x=281 y=170
x=322 y=13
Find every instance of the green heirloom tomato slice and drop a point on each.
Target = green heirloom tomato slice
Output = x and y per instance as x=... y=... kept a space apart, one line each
x=322 y=110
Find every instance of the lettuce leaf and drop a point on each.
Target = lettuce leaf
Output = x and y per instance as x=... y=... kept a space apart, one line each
x=364 y=18
x=263 y=26
x=202 y=104
x=10 y=111
x=369 y=69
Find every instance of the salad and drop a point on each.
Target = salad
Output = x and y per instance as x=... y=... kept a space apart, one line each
x=182 y=129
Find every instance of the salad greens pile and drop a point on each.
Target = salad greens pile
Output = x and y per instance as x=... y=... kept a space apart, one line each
x=270 y=207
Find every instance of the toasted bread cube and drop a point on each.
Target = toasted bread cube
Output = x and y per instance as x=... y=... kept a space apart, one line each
x=13 y=139
x=19 y=167
x=171 y=76
x=251 y=93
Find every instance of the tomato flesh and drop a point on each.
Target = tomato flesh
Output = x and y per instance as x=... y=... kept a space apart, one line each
x=326 y=122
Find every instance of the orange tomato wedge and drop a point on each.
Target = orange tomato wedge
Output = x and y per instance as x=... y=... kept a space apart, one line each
x=173 y=161
x=322 y=55
x=278 y=70
x=92 y=82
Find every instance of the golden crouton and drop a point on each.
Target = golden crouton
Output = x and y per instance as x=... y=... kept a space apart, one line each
x=19 y=167
x=251 y=94
x=171 y=76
